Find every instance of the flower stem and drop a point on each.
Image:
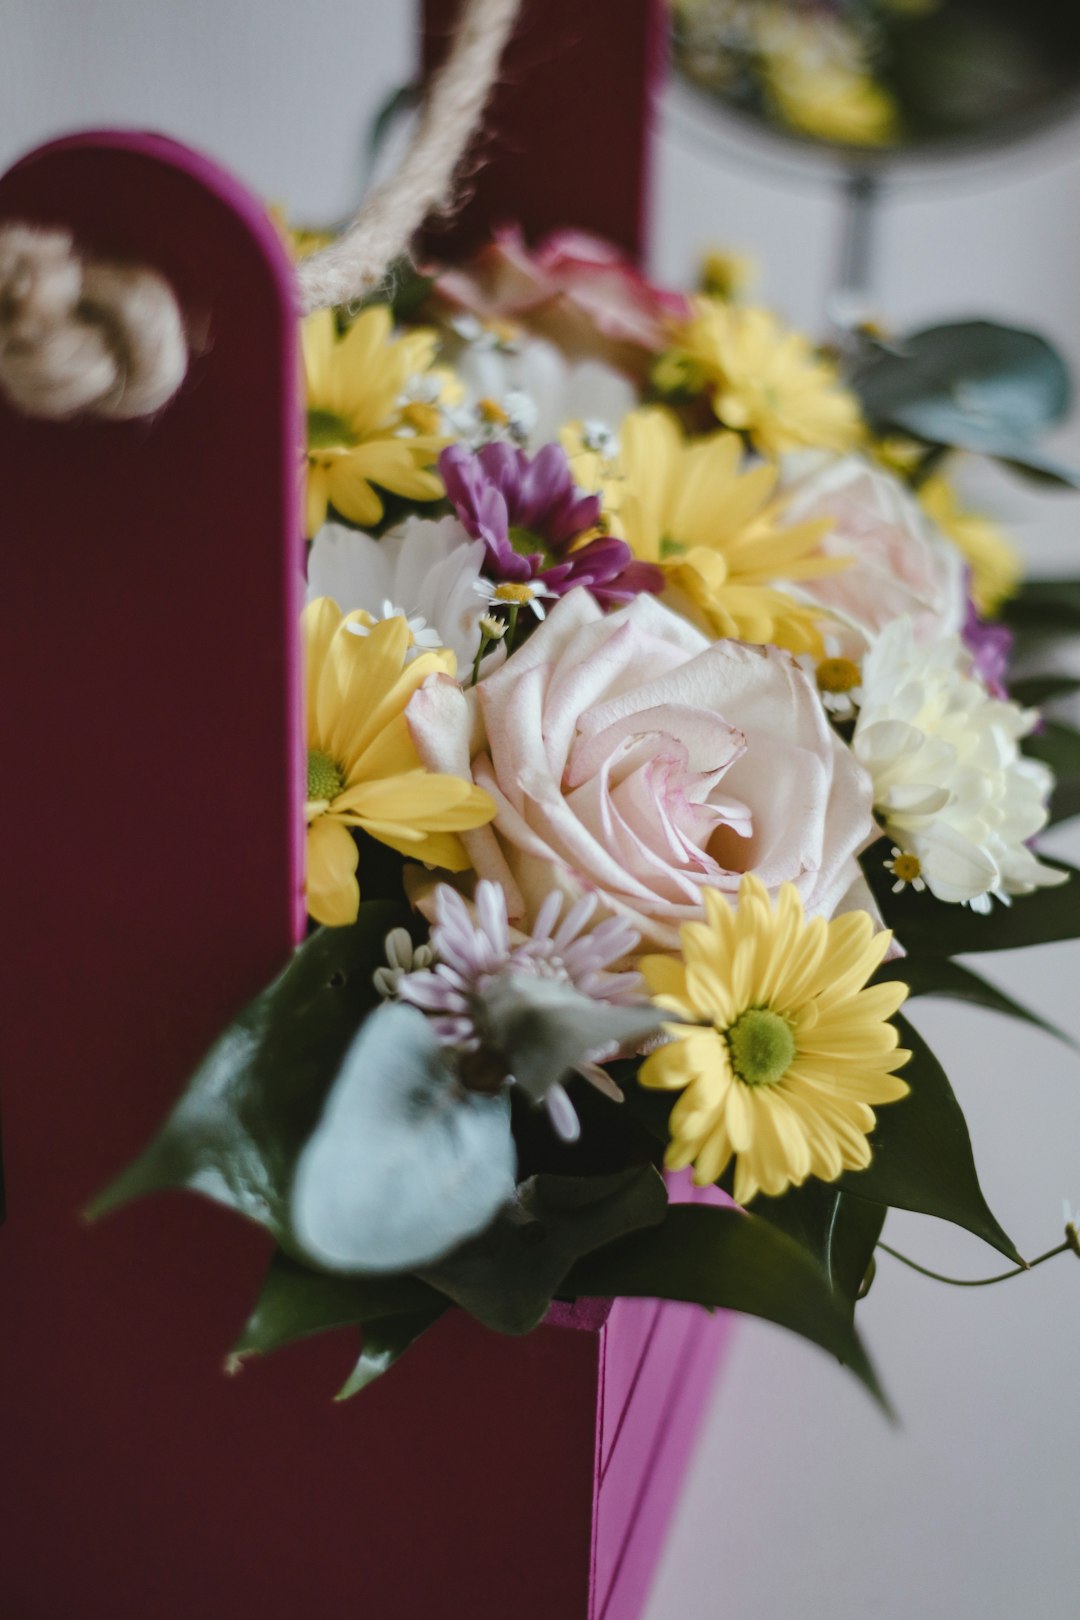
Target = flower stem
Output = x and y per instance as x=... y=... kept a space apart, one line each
x=1069 y=1245
x=485 y=643
x=512 y=627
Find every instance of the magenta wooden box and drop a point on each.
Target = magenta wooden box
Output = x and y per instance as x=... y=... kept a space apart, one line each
x=149 y=638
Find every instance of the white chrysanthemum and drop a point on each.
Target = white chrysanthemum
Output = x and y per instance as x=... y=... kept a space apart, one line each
x=950 y=784
x=537 y=390
x=425 y=571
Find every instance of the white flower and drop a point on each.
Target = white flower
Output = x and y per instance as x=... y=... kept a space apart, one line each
x=536 y=391
x=514 y=595
x=424 y=637
x=950 y=784
x=429 y=569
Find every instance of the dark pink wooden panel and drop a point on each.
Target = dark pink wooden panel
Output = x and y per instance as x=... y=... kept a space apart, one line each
x=149 y=618
x=151 y=873
x=567 y=137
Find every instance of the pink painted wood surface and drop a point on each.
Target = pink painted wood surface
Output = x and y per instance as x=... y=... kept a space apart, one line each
x=567 y=136
x=150 y=594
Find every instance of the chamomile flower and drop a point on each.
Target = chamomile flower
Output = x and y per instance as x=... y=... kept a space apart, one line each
x=514 y=594
x=906 y=868
x=839 y=680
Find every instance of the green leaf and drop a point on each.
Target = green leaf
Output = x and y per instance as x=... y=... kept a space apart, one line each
x=938 y=976
x=296 y=1303
x=929 y=927
x=922 y=1153
x=837 y=1231
x=722 y=1258
x=404 y=1163
x=384 y=1342
x=1058 y=746
x=1046 y=605
x=975 y=385
x=236 y=1132
x=508 y=1276
x=1032 y=691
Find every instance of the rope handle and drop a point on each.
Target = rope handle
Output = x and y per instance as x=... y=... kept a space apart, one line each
x=79 y=336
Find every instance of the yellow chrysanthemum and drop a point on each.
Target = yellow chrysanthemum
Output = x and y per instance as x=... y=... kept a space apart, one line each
x=363 y=770
x=764 y=379
x=995 y=567
x=713 y=525
x=791 y=1051
x=363 y=430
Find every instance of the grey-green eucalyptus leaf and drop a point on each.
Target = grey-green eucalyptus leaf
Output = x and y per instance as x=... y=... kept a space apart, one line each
x=404 y=1163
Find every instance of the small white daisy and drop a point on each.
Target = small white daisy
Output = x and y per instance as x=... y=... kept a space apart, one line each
x=424 y=637
x=839 y=681
x=514 y=594
x=905 y=868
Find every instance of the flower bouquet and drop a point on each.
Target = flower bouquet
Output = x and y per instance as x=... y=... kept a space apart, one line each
x=662 y=742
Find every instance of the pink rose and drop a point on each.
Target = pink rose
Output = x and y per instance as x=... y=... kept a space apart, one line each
x=902 y=567
x=632 y=758
x=576 y=290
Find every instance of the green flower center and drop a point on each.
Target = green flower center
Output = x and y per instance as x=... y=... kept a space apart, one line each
x=527 y=544
x=762 y=1046
x=326 y=430
x=324 y=779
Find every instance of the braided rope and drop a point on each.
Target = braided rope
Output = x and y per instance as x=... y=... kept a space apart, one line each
x=79 y=337
x=83 y=337
x=388 y=220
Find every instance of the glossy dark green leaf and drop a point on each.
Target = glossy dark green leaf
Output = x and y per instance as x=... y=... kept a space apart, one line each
x=855 y=1238
x=938 y=976
x=403 y=1163
x=296 y=1303
x=236 y=1132
x=384 y=1342
x=929 y=927
x=975 y=385
x=922 y=1153
x=722 y=1258
x=837 y=1231
x=1047 y=605
x=1058 y=746
x=1032 y=691
x=508 y=1276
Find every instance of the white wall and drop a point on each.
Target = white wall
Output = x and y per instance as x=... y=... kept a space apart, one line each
x=802 y=1500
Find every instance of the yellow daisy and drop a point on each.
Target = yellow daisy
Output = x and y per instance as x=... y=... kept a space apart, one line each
x=791 y=1051
x=995 y=567
x=713 y=525
x=362 y=768
x=363 y=428
x=765 y=380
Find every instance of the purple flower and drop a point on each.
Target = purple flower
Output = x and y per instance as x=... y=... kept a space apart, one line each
x=473 y=947
x=990 y=646
x=529 y=513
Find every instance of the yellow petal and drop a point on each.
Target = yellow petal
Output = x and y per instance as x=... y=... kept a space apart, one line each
x=333 y=894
